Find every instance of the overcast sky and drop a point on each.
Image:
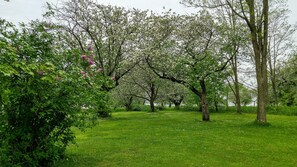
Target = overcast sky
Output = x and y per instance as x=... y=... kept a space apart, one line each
x=26 y=10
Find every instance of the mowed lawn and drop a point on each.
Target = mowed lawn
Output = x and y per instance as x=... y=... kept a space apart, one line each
x=181 y=139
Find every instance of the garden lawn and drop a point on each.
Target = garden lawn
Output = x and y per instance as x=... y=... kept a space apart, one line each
x=171 y=138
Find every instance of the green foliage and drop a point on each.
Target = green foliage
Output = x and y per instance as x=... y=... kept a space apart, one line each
x=140 y=107
x=246 y=95
x=282 y=110
x=40 y=99
x=287 y=82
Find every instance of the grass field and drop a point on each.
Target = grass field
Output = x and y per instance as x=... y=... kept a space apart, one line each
x=170 y=138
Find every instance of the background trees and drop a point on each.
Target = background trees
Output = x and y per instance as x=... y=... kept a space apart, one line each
x=175 y=93
x=255 y=15
x=147 y=84
x=281 y=44
x=286 y=83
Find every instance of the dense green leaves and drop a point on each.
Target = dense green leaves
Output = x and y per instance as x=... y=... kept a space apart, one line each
x=40 y=100
x=287 y=82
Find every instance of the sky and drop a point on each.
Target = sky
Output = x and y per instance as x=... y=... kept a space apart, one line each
x=25 y=10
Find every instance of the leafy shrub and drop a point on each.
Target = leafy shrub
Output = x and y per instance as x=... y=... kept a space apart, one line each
x=39 y=99
x=161 y=108
x=189 y=108
x=282 y=110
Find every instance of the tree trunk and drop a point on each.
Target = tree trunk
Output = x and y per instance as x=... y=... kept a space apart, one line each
x=264 y=82
x=153 y=96
x=259 y=37
x=152 y=105
x=216 y=105
x=129 y=104
x=204 y=104
x=273 y=80
x=177 y=106
x=227 y=100
x=236 y=85
x=204 y=107
x=234 y=65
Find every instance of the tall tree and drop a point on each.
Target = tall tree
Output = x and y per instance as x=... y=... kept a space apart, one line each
x=257 y=22
x=255 y=14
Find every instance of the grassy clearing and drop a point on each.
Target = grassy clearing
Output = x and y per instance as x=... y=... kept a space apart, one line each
x=170 y=138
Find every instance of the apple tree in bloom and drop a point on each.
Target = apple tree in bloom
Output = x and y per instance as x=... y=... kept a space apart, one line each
x=189 y=50
x=113 y=33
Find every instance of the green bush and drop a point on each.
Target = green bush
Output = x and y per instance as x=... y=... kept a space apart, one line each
x=139 y=107
x=161 y=108
x=282 y=110
x=189 y=108
x=39 y=100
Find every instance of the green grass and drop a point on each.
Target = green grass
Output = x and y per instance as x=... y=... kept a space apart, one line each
x=169 y=138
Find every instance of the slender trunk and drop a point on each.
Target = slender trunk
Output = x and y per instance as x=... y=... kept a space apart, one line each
x=273 y=81
x=227 y=100
x=234 y=65
x=274 y=90
x=236 y=85
x=216 y=105
x=204 y=104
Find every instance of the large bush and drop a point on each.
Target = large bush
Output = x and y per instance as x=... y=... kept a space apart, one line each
x=42 y=95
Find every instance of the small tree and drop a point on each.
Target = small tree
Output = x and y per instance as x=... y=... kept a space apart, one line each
x=146 y=82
